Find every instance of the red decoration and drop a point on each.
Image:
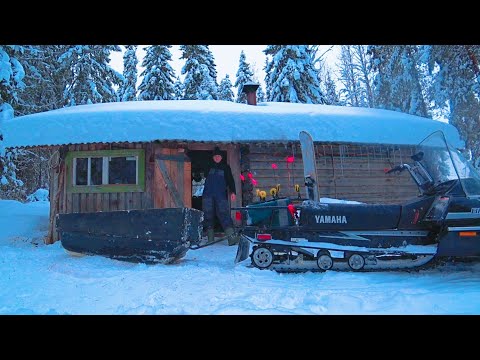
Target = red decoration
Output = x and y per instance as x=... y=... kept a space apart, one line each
x=242 y=177
x=291 y=210
x=254 y=182
x=290 y=159
x=274 y=166
x=250 y=176
x=238 y=216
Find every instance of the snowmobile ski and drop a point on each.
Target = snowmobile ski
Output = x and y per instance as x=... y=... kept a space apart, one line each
x=309 y=165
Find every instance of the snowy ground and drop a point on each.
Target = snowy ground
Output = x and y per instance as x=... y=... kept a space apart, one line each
x=40 y=279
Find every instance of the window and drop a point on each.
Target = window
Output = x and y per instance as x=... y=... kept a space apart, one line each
x=106 y=171
x=122 y=170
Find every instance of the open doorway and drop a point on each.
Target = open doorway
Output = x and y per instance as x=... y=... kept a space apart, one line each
x=200 y=160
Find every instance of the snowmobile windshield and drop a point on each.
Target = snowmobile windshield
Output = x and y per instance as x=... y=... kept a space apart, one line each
x=445 y=164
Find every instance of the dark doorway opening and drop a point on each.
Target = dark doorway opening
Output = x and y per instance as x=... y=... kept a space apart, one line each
x=200 y=160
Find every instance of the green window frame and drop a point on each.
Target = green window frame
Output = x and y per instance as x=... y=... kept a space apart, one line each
x=106 y=188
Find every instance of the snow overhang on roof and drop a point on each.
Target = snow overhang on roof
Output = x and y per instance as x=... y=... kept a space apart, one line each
x=219 y=121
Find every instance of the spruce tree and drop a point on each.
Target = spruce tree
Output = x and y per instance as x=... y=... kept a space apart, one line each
x=244 y=75
x=455 y=87
x=11 y=80
x=91 y=78
x=225 y=89
x=44 y=80
x=158 y=76
x=260 y=95
x=331 y=94
x=128 y=89
x=291 y=76
x=397 y=84
x=178 y=89
x=200 y=81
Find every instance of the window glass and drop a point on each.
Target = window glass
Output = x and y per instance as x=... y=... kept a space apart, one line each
x=81 y=171
x=122 y=170
x=96 y=171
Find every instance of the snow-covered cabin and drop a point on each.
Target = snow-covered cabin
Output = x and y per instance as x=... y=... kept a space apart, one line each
x=142 y=154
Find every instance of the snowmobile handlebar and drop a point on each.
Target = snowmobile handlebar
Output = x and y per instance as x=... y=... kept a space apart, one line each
x=398 y=168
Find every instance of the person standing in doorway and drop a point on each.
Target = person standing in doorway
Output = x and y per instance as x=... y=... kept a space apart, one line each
x=218 y=184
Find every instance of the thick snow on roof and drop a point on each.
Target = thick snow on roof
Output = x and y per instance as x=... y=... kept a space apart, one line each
x=219 y=121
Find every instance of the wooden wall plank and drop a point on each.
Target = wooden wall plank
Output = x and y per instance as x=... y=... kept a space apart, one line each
x=83 y=203
x=121 y=201
x=148 y=196
x=187 y=184
x=114 y=202
x=91 y=202
x=172 y=171
x=234 y=162
x=172 y=167
x=158 y=184
x=128 y=201
x=105 y=201
x=354 y=174
x=137 y=200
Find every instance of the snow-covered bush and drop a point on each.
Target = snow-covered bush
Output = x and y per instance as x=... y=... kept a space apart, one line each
x=38 y=195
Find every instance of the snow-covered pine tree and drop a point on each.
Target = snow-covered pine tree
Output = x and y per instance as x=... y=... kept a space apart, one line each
x=44 y=80
x=225 y=89
x=260 y=95
x=244 y=75
x=44 y=83
x=455 y=86
x=11 y=76
x=331 y=95
x=92 y=78
x=128 y=88
x=267 y=79
x=291 y=76
x=178 y=89
x=158 y=76
x=200 y=81
x=397 y=85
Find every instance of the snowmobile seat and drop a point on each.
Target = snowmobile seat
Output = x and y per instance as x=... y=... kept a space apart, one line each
x=326 y=216
x=270 y=217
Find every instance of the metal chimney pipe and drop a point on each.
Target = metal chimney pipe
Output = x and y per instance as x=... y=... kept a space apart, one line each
x=251 y=90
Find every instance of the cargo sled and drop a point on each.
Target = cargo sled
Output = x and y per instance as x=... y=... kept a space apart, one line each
x=149 y=236
x=444 y=221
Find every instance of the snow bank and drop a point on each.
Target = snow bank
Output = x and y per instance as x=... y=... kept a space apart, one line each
x=41 y=279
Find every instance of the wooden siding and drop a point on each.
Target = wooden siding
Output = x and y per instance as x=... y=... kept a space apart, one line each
x=154 y=196
x=353 y=172
x=92 y=202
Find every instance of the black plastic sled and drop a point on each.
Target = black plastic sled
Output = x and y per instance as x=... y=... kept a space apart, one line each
x=149 y=236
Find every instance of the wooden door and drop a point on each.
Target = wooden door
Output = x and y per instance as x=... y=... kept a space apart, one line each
x=173 y=179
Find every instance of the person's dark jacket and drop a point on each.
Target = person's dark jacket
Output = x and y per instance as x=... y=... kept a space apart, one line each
x=229 y=181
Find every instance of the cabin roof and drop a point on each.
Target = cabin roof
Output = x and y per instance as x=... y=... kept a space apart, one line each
x=219 y=121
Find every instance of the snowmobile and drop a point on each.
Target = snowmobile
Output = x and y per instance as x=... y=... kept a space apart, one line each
x=443 y=221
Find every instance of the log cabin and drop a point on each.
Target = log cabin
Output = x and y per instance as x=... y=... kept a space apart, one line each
x=144 y=154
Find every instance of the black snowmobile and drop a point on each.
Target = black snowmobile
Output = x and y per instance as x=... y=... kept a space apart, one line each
x=444 y=221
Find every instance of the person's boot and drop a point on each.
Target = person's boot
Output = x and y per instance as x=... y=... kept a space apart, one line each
x=210 y=235
x=231 y=236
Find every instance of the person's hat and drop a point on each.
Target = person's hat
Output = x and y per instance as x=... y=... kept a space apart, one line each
x=217 y=151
